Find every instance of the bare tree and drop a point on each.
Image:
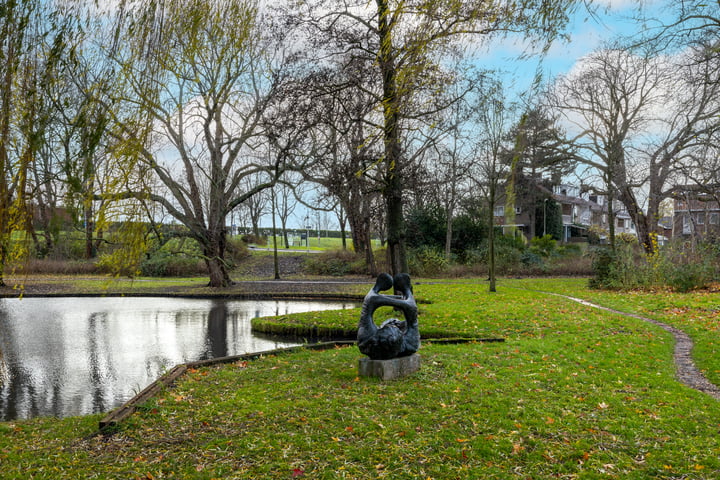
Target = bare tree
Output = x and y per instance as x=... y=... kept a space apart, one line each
x=494 y=119
x=203 y=85
x=634 y=118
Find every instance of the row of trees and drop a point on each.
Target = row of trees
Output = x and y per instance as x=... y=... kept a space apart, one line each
x=152 y=110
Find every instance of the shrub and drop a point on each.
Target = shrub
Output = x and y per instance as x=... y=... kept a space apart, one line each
x=427 y=261
x=468 y=234
x=62 y=267
x=254 y=239
x=622 y=268
x=164 y=264
x=531 y=259
x=334 y=262
x=236 y=250
x=543 y=246
x=686 y=266
x=426 y=227
x=178 y=257
x=569 y=250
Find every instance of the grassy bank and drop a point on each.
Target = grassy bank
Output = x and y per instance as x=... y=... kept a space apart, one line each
x=573 y=392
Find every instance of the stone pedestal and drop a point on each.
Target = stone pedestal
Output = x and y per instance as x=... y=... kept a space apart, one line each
x=389 y=369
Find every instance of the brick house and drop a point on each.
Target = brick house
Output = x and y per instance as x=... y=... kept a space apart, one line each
x=580 y=212
x=696 y=213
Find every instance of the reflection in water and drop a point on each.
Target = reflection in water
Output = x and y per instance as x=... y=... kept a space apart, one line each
x=74 y=356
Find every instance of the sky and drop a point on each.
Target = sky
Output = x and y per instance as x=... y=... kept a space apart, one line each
x=614 y=18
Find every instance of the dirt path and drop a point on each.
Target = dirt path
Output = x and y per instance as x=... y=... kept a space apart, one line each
x=687 y=372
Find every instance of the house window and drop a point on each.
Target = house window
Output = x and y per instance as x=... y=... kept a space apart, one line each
x=518 y=210
x=621 y=223
x=714 y=218
x=500 y=211
x=701 y=218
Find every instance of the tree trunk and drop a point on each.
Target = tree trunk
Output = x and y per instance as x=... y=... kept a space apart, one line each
x=5 y=114
x=89 y=226
x=449 y=223
x=276 y=265
x=491 y=241
x=343 y=234
x=214 y=252
x=362 y=241
x=611 y=219
x=643 y=225
x=393 y=160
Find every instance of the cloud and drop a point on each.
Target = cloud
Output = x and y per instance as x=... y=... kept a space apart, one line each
x=621 y=5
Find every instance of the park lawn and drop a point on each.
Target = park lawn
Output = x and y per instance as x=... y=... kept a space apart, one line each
x=696 y=313
x=573 y=392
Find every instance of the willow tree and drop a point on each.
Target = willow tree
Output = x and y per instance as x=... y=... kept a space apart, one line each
x=33 y=37
x=201 y=86
x=409 y=42
x=14 y=17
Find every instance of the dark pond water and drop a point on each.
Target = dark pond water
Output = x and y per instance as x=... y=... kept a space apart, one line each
x=74 y=356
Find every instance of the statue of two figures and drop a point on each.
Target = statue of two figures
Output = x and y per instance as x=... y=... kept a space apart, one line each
x=394 y=338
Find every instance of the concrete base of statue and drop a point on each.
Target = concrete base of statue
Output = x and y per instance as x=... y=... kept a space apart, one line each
x=389 y=369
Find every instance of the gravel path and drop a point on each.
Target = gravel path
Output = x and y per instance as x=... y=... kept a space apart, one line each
x=687 y=372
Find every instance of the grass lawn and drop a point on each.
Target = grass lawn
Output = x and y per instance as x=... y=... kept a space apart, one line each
x=573 y=392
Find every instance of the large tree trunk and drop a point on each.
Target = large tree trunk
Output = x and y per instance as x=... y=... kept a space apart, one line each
x=214 y=251
x=393 y=160
x=217 y=268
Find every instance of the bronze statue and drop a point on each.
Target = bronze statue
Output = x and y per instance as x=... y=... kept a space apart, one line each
x=394 y=338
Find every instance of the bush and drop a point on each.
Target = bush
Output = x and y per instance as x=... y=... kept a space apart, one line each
x=684 y=278
x=335 y=263
x=624 y=268
x=686 y=266
x=543 y=246
x=164 y=264
x=62 y=267
x=682 y=266
x=427 y=261
x=569 y=250
x=426 y=227
x=532 y=259
x=250 y=238
x=236 y=250
x=468 y=234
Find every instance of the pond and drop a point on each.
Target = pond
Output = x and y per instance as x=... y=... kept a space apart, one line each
x=75 y=356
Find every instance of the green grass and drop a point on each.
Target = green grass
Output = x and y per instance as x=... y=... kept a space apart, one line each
x=573 y=392
x=695 y=313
